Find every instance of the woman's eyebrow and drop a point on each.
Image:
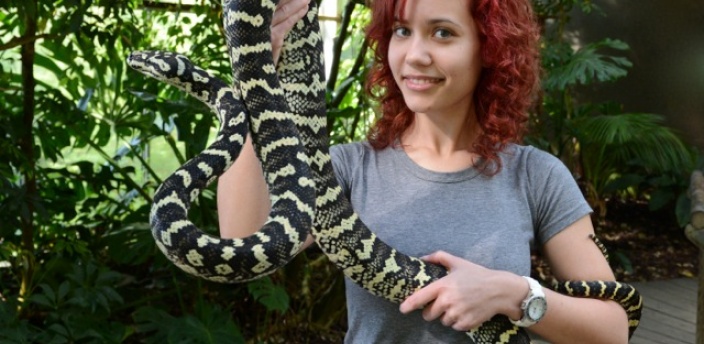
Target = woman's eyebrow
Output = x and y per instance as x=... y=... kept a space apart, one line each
x=432 y=21
x=436 y=21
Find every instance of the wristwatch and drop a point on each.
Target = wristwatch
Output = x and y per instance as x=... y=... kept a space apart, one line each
x=534 y=306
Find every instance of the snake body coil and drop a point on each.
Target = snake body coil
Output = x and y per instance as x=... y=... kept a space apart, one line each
x=286 y=111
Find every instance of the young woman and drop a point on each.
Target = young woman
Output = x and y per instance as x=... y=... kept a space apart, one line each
x=442 y=176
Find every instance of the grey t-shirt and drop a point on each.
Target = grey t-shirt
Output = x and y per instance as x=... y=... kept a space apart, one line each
x=492 y=221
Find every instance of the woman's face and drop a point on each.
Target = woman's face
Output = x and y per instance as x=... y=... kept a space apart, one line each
x=434 y=55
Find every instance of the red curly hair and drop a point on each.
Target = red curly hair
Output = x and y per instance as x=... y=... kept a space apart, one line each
x=506 y=87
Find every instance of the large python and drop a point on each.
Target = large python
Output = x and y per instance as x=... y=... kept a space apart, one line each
x=285 y=108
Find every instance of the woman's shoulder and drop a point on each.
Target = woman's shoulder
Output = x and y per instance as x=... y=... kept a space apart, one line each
x=520 y=156
x=349 y=152
x=351 y=147
x=347 y=157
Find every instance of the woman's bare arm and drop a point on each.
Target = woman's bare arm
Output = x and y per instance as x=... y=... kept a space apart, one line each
x=243 y=196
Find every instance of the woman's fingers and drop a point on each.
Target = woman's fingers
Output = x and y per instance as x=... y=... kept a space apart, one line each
x=287 y=13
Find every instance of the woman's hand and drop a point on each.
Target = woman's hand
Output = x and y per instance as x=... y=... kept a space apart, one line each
x=287 y=13
x=469 y=295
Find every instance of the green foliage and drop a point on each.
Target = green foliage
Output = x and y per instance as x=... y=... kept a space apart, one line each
x=586 y=65
x=78 y=309
x=611 y=142
x=85 y=142
x=350 y=110
x=272 y=296
x=634 y=151
x=210 y=324
x=613 y=154
x=15 y=330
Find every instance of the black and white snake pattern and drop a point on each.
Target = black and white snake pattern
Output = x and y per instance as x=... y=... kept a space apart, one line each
x=283 y=107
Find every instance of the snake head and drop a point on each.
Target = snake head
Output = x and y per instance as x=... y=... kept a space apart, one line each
x=156 y=64
x=177 y=70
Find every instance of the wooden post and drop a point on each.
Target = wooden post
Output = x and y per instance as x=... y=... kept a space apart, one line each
x=700 y=300
x=695 y=233
x=696 y=192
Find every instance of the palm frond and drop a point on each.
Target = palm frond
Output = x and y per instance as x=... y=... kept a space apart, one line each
x=635 y=138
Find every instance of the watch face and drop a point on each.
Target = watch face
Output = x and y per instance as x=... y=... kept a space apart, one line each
x=536 y=308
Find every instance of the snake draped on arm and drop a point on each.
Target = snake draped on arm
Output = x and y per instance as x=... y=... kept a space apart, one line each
x=285 y=107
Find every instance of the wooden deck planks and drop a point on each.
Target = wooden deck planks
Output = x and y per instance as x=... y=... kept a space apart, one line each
x=669 y=314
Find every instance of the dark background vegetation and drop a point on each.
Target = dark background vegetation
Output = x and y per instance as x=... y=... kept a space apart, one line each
x=84 y=142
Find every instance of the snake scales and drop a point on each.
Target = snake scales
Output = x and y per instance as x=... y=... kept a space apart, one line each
x=285 y=107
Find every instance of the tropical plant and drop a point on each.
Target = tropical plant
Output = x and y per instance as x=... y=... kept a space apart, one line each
x=85 y=141
x=625 y=150
x=611 y=152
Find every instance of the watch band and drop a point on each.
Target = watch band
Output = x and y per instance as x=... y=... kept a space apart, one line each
x=533 y=306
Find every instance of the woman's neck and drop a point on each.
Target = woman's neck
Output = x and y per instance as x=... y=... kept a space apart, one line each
x=441 y=143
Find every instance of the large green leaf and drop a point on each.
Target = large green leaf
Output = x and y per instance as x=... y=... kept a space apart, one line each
x=587 y=65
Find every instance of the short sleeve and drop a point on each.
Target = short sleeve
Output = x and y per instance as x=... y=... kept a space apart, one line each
x=557 y=200
x=344 y=159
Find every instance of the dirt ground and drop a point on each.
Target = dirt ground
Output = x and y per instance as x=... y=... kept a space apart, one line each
x=643 y=245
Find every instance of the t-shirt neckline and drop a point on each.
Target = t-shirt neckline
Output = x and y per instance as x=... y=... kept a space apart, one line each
x=401 y=157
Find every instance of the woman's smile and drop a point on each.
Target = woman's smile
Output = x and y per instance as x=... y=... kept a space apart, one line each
x=420 y=83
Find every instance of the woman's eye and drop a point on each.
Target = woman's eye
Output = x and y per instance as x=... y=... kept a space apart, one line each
x=442 y=33
x=401 y=31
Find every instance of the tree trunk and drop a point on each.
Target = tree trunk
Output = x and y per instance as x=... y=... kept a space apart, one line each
x=26 y=141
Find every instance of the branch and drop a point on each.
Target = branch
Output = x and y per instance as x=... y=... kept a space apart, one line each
x=22 y=40
x=167 y=7
x=339 y=42
x=126 y=177
x=347 y=84
x=26 y=143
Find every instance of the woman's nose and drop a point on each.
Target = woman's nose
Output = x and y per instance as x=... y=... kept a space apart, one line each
x=418 y=52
